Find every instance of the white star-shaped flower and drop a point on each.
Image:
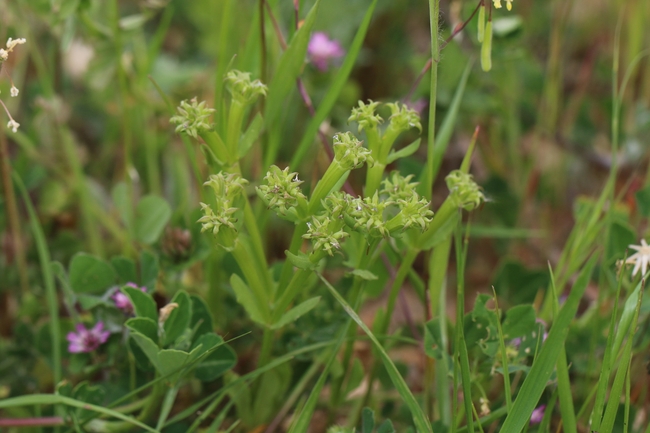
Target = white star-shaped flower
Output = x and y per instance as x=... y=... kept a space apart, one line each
x=640 y=259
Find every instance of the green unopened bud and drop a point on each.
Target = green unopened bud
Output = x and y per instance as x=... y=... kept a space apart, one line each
x=227 y=187
x=242 y=89
x=464 y=192
x=365 y=115
x=192 y=117
x=403 y=118
x=282 y=193
x=398 y=187
x=221 y=224
x=349 y=152
x=326 y=234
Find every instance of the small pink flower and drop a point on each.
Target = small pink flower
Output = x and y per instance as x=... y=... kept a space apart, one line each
x=322 y=49
x=123 y=302
x=538 y=414
x=87 y=340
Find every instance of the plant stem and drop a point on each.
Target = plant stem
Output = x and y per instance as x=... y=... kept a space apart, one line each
x=434 y=12
x=12 y=213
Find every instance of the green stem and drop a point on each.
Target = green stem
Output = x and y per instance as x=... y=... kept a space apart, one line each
x=235 y=120
x=332 y=175
x=48 y=280
x=267 y=347
x=12 y=213
x=434 y=12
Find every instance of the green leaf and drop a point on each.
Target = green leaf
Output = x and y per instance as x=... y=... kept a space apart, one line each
x=125 y=269
x=145 y=326
x=364 y=274
x=642 y=197
x=519 y=321
x=143 y=303
x=419 y=418
x=148 y=270
x=367 y=420
x=172 y=361
x=288 y=69
x=355 y=376
x=179 y=319
x=386 y=427
x=151 y=216
x=403 y=152
x=339 y=82
x=201 y=317
x=300 y=260
x=90 y=274
x=246 y=298
x=149 y=348
x=216 y=363
x=252 y=133
x=296 y=312
x=544 y=364
x=122 y=202
x=88 y=302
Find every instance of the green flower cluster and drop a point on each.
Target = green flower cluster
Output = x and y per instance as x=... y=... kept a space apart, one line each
x=326 y=234
x=192 y=117
x=229 y=201
x=282 y=193
x=242 y=88
x=464 y=192
x=349 y=152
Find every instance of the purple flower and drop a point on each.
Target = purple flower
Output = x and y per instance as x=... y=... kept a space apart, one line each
x=538 y=414
x=322 y=49
x=123 y=302
x=87 y=340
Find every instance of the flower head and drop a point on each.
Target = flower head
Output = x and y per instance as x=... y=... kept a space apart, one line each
x=242 y=88
x=538 y=414
x=123 y=302
x=14 y=91
x=497 y=4
x=13 y=125
x=11 y=44
x=322 y=49
x=640 y=259
x=87 y=340
x=193 y=117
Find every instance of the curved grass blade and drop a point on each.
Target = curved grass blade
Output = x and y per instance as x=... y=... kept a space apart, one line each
x=534 y=384
x=40 y=399
x=335 y=90
x=48 y=279
x=421 y=423
x=285 y=77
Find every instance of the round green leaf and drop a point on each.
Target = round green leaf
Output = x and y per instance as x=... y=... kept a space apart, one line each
x=89 y=274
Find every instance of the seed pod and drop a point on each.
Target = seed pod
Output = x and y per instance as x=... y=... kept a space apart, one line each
x=481 y=23
x=486 y=48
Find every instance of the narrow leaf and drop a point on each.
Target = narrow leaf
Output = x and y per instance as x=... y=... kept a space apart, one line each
x=296 y=312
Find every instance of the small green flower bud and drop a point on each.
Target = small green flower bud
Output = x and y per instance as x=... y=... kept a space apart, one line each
x=349 y=152
x=403 y=118
x=463 y=190
x=227 y=187
x=222 y=224
x=325 y=233
x=282 y=193
x=365 y=115
x=398 y=187
x=242 y=89
x=192 y=117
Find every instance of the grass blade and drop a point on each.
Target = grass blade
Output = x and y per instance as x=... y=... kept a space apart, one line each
x=284 y=79
x=335 y=90
x=40 y=399
x=421 y=423
x=540 y=372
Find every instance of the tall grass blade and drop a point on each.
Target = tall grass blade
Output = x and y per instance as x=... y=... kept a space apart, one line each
x=334 y=91
x=542 y=368
x=421 y=423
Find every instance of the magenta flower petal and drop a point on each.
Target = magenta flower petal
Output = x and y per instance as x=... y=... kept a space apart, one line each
x=322 y=50
x=538 y=414
x=87 y=340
